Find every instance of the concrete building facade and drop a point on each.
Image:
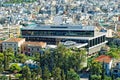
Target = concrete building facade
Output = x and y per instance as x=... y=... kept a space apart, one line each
x=30 y=48
x=13 y=43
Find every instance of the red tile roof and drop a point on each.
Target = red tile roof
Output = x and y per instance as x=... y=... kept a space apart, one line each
x=1 y=41
x=41 y=44
x=14 y=40
x=103 y=58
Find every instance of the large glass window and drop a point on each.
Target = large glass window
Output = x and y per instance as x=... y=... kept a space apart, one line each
x=58 y=33
x=90 y=43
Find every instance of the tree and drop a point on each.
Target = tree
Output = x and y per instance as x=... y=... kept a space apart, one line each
x=46 y=74
x=39 y=72
x=103 y=71
x=56 y=73
x=62 y=75
x=72 y=75
x=3 y=77
x=67 y=58
x=8 y=57
x=107 y=78
x=36 y=73
x=15 y=68
x=96 y=68
x=21 y=58
x=39 y=79
x=36 y=57
x=33 y=75
x=1 y=61
x=78 y=59
x=114 y=52
x=59 y=61
x=18 y=76
x=117 y=79
x=26 y=73
x=95 y=77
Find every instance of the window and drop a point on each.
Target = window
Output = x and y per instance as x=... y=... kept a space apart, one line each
x=9 y=44
x=115 y=71
x=37 y=49
x=15 y=49
x=5 y=44
x=28 y=49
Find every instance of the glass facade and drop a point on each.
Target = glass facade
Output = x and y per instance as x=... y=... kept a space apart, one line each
x=54 y=40
x=75 y=40
x=37 y=35
x=91 y=43
x=58 y=33
x=96 y=41
x=48 y=40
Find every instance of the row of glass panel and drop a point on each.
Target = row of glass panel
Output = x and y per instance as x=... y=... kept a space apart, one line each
x=58 y=33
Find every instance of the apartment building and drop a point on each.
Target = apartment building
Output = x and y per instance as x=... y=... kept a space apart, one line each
x=107 y=62
x=9 y=31
x=13 y=43
x=14 y=31
x=30 y=48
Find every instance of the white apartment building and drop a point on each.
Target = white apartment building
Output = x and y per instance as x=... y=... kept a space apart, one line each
x=14 y=43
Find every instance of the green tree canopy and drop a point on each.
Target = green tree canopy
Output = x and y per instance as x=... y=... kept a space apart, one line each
x=1 y=57
x=26 y=73
x=46 y=74
x=114 y=52
x=63 y=75
x=96 y=68
x=72 y=75
x=8 y=57
x=117 y=79
x=21 y=58
x=95 y=77
x=1 y=61
x=56 y=73
x=15 y=68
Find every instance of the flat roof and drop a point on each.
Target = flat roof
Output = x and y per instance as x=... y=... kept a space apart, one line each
x=57 y=27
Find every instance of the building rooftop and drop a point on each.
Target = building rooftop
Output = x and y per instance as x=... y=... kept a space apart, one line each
x=57 y=27
x=1 y=41
x=40 y=44
x=104 y=58
x=13 y=40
